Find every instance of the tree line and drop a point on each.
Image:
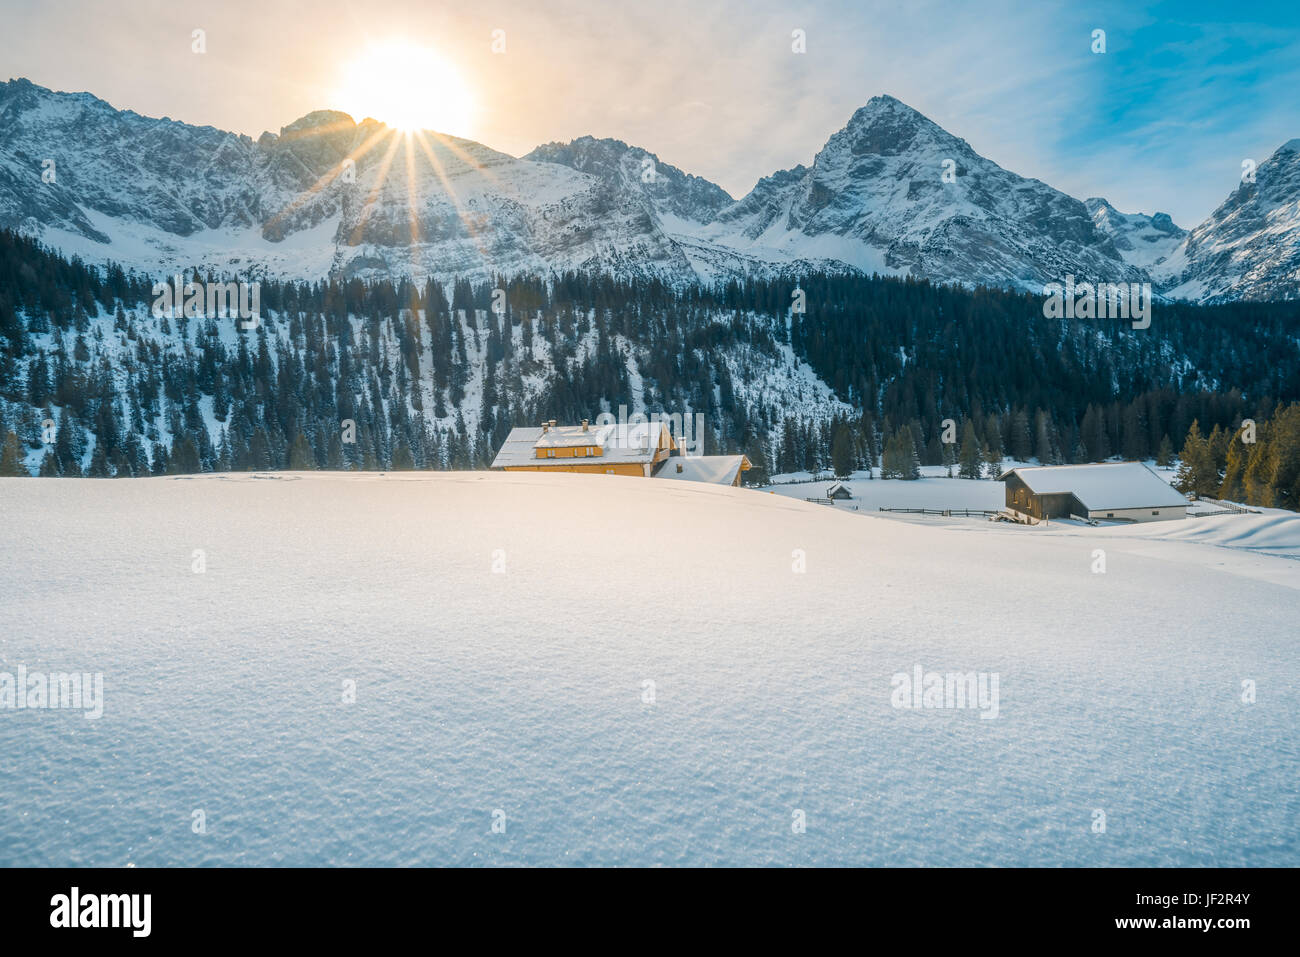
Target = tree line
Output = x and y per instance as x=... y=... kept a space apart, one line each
x=345 y=374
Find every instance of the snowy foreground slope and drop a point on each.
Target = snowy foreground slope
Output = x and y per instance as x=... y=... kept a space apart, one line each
x=523 y=689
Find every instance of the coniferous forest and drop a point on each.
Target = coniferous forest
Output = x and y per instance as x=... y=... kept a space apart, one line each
x=871 y=371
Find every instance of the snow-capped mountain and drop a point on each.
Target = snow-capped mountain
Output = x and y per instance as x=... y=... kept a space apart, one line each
x=664 y=189
x=1143 y=241
x=1249 y=248
x=326 y=195
x=891 y=192
x=877 y=197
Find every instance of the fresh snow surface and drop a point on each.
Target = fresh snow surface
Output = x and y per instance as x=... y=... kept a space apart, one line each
x=524 y=689
x=932 y=490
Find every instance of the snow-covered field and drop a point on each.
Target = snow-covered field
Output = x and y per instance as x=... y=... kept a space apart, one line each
x=502 y=631
x=932 y=490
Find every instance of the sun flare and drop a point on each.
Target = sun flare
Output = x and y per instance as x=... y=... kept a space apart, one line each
x=407 y=86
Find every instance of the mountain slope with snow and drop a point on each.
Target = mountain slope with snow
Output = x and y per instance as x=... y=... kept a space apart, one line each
x=1249 y=248
x=1142 y=241
x=877 y=193
x=890 y=193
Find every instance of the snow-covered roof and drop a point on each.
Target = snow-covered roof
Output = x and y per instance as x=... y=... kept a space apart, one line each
x=1106 y=485
x=837 y=487
x=621 y=443
x=717 y=469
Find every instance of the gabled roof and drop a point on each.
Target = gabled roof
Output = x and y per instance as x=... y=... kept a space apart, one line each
x=621 y=443
x=1101 y=486
x=716 y=469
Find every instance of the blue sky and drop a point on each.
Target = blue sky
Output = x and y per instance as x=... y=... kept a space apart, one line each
x=1159 y=122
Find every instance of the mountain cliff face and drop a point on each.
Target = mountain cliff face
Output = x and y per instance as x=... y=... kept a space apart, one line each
x=892 y=193
x=664 y=189
x=1249 y=248
x=1142 y=241
x=878 y=197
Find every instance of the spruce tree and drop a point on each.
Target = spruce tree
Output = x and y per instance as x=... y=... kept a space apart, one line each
x=1196 y=471
x=1165 y=455
x=993 y=460
x=1259 y=473
x=1234 y=471
x=11 y=461
x=402 y=460
x=301 y=458
x=970 y=457
x=842 y=452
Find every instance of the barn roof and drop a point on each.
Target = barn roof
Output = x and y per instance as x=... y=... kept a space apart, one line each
x=621 y=443
x=1100 y=486
x=716 y=469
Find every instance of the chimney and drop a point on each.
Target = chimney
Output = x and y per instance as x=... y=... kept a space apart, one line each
x=679 y=468
x=584 y=425
x=552 y=423
x=545 y=427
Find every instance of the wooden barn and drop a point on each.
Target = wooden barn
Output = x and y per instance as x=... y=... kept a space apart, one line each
x=838 y=490
x=1117 y=492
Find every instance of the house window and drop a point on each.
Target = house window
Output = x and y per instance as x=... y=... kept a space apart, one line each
x=1157 y=512
x=550 y=453
x=1110 y=514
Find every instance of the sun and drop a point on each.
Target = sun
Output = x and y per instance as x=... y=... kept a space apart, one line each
x=407 y=86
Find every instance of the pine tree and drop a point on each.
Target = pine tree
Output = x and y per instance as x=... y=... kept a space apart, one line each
x=301 y=458
x=993 y=461
x=1046 y=446
x=98 y=463
x=912 y=461
x=1196 y=471
x=11 y=461
x=184 y=457
x=1165 y=456
x=1259 y=473
x=1284 y=438
x=402 y=460
x=842 y=452
x=970 y=457
x=1234 y=472
x=1217 y=444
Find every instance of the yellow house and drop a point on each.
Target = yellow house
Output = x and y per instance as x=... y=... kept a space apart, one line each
x=602 y=449
x=643 y=449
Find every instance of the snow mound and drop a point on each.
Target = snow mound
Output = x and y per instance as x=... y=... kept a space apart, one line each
x=631 y=672
x=1275 y=532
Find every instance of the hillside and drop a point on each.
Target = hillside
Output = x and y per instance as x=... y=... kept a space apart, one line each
x=479 y=690
x=434 y=376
